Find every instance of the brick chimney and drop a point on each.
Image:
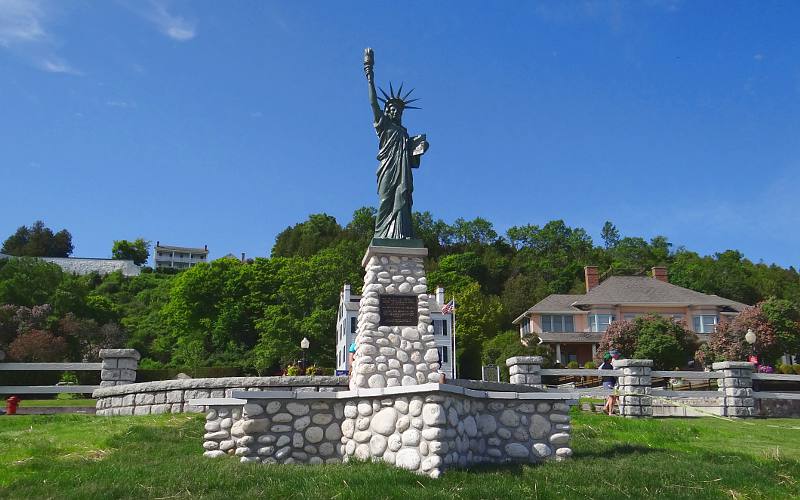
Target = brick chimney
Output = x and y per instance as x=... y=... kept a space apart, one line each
x=660 y=273
x=591 y=276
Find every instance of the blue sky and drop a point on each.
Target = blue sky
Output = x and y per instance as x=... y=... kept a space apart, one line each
x=221 y=123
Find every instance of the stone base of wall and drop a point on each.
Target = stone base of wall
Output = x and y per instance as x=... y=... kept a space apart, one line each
x=425 y=428
x=173 y=396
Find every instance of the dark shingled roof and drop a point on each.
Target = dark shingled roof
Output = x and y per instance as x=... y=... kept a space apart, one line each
x=630 y=290
x=553 y=303
x=645 y=290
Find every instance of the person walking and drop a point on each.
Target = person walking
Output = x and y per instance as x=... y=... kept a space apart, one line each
x=609 y=383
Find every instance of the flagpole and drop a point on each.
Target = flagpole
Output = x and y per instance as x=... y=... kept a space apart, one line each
x=455 y=364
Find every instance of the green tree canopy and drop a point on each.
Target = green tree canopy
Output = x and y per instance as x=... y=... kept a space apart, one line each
x=38 y=240
x=137 y=250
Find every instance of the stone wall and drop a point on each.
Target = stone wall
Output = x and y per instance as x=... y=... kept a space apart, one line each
x=432 y=432
x=426 y=428
x=389 y=356
x=172 y=396
x=282 y=430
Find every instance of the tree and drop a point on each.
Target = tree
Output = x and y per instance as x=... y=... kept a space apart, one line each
x=309 y=237
x=37 y=346
x=28 y=282
x=784 y=317
x=667 y=342
x=507 y=345
x=361 y=227
x=137 y=250
x=610 y=235
x=727 y=341
x=38 y=240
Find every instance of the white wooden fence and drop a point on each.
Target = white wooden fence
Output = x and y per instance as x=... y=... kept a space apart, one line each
x=49 y=389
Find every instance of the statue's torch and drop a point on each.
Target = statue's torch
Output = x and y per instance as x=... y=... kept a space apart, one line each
x=369 y=57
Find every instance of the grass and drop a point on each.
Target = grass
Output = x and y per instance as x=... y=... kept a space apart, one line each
x=78 y=456
x=58 y=403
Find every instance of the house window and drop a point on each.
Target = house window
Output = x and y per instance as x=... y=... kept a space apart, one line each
x=600 y=322
x=440 y=327
x=705 y=323
x=444 y=355
x=525 y=326
x=630 y=316
x=353 y=324
x=557 y=323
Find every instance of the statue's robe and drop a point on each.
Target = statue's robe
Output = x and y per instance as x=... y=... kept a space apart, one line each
x=395 y=182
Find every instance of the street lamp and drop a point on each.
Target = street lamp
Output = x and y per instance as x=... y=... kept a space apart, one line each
x=750 y=336
x=304 y=346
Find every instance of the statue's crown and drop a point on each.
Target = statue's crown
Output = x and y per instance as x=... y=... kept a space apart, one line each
x=399 y=100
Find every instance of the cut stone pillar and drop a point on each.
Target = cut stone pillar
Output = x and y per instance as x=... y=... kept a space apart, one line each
x=736 y=386
x=525 y=370
x=634 y=386
x=394 y=341
x=119 y=366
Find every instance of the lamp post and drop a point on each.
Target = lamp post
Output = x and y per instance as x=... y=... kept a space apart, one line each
x=750 y=338
x=304 y=346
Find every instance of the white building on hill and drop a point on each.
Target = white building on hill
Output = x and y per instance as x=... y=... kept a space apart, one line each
x=347 y=322
x=167 y=256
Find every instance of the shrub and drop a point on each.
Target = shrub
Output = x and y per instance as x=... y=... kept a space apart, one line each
x=68 y=378
x=507 y=345
x=37 y=346
x=796 y=369
x=573 y=364
x=312 y=370
x=590 y=365
x=786 y=369
x=293 y=370
x=667 y=342
x=727 y=343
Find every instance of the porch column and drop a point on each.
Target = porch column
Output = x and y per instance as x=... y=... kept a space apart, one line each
x=594 y=351
x=558 y=353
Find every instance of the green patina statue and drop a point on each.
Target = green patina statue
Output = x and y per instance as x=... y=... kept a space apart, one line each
x=398 y=154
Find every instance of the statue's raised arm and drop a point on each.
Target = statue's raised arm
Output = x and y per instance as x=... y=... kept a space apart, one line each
x=369 y=63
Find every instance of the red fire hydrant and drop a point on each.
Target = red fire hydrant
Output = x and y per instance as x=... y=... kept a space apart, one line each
x=11 y=405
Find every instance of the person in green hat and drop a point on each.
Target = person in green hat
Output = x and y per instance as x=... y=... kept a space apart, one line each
x=609 y=383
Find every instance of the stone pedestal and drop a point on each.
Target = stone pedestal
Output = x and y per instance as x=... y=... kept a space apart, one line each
x=525 y=370
x=394 y=341
x=119 y=366
x=736 y=386
x=634 y=387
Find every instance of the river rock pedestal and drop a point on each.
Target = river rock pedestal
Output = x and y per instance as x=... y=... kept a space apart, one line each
x=394 y=341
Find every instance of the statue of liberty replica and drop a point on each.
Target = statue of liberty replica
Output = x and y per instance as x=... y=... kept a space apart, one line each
x=398 y=154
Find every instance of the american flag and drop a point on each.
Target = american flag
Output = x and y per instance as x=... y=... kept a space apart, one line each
x=449 y=307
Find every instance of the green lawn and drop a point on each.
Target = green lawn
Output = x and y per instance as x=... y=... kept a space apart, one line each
x=61 y=403
x=78 y=456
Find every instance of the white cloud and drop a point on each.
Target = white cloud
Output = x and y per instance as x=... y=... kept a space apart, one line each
x=55 y=65
x=174 y=26
x=21 y=22
x=24 y=33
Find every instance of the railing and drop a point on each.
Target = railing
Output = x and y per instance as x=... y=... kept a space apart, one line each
x=730 y=387
x=49 y=389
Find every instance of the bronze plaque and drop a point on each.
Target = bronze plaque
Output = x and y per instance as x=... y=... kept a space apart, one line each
x=398 y=310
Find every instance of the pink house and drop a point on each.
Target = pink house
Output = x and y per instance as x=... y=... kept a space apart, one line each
x=574 y=324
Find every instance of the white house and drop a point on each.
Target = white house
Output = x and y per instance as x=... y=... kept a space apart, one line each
x=347 y=321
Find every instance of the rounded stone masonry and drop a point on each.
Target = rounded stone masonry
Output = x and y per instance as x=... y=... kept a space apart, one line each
x=736 y=388
x=425 y=428
x=401 y=351
x=119 y=366
x=634 y=386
